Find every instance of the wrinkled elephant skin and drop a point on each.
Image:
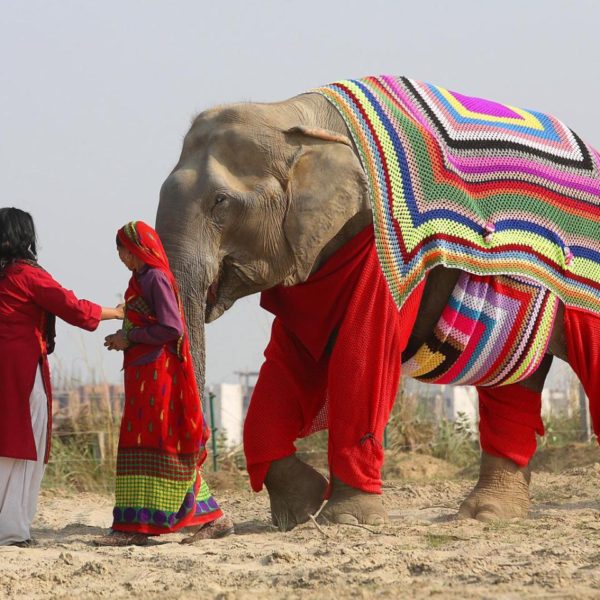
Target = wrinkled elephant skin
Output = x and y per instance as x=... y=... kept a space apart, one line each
x=502 y=491
x=296 y=491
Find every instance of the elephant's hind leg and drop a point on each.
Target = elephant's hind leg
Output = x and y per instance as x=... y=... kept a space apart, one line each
x=502 y=491
x=509 y=418
x=296 y=490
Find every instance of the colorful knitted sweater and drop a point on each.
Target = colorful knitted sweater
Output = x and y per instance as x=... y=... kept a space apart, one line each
x=475 y=185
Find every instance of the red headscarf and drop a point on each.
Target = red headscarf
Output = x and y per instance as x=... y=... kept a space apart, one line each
x=143 y=242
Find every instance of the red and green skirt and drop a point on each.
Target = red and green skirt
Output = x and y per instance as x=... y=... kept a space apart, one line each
x=159 y=487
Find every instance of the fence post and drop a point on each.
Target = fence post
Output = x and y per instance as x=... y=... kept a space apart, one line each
x=584 y=416
x=213 y=429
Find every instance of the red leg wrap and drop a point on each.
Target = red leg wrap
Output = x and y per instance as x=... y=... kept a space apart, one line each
x=290 y=391
x=509 y=418
x=582 y=330
x=363 y=377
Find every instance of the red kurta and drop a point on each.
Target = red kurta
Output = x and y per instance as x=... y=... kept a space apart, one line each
x=27 y=295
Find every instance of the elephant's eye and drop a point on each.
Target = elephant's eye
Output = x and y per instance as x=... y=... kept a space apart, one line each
x=220 y=198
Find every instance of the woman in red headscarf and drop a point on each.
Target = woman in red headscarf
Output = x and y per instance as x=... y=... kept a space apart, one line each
x=159 y=488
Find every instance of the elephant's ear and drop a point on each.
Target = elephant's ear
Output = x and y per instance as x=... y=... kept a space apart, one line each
x=326 y=188
x=322 y=134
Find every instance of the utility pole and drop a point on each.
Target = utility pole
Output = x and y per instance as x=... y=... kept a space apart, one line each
x=213 y=429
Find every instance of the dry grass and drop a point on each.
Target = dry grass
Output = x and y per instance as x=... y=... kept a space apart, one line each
x=77 y=464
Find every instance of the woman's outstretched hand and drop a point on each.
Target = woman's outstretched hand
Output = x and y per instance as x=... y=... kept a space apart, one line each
x=118 y=312
x=116 y=341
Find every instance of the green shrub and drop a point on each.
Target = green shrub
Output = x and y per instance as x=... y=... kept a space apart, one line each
x=456 y=442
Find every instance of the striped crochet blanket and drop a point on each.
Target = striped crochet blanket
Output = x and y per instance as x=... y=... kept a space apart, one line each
x=472 y=184
x=494 y=331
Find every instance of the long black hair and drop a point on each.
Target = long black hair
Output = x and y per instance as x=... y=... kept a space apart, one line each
x=17 y=237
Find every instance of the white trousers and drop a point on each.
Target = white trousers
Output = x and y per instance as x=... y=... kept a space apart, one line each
x=20 y=480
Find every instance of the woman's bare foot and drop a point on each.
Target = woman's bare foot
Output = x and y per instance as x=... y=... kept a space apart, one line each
x=221 y=527
x=122 y=538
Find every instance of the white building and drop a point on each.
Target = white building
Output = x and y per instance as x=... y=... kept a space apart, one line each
x=227 y=409
x=460 y=399
x=445 y=401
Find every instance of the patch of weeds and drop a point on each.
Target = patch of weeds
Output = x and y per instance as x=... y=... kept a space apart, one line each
x=438 y=540
x=457 y=442
x=545 y=496
x=497 y=525
x=83 y=456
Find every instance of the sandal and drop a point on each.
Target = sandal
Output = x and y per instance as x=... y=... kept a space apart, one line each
x=24 y=543
x=122 y=538
x=219 y=528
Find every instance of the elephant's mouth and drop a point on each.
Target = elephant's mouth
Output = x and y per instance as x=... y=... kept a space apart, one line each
x=230 y=284
x=215 y=305
x=212 y=294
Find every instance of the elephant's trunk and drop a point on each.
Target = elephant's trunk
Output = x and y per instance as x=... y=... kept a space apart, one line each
x=178 y=226
x=195 y=318
x=187 y=265
x=192 y=289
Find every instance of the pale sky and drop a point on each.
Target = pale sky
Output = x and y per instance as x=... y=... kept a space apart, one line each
x=95 y=98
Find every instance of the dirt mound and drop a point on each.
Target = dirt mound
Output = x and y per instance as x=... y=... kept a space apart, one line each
x=417 y=467
x=557 y=460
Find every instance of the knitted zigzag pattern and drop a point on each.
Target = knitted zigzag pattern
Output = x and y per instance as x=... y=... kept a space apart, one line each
x=494 y=331
x=474 y=185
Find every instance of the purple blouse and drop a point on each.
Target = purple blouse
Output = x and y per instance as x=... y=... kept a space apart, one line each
x=159 y=295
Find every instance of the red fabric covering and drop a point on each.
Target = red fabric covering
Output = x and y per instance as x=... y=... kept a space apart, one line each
x=28 y=295
x=510 y=415
x=582 y=330
x=509 y=418
x=354 y=385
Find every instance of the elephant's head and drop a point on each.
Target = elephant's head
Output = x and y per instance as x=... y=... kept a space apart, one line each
x=261 y=195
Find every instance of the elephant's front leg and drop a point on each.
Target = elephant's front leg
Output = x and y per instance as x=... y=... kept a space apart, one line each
x=364 y=373
x=289 y=394
x=509 y=418
x=296 y=491
x=351 y=506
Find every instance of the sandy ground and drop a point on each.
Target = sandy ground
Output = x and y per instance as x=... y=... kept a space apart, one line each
x=423 y=552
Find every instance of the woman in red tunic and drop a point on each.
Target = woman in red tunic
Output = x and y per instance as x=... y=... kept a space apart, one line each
x=159 y=487
x=29 y=301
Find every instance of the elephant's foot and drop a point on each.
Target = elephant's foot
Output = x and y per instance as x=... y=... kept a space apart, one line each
x=296 y=490
x=502 y=491
x=351 y=506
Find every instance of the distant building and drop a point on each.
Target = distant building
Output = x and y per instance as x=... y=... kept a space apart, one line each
x=437 y=402
x=460 y=400
x=558 y=403
x=248 y=382
x=227 y=410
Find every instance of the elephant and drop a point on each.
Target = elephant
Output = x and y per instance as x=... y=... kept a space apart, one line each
x=263 y=196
